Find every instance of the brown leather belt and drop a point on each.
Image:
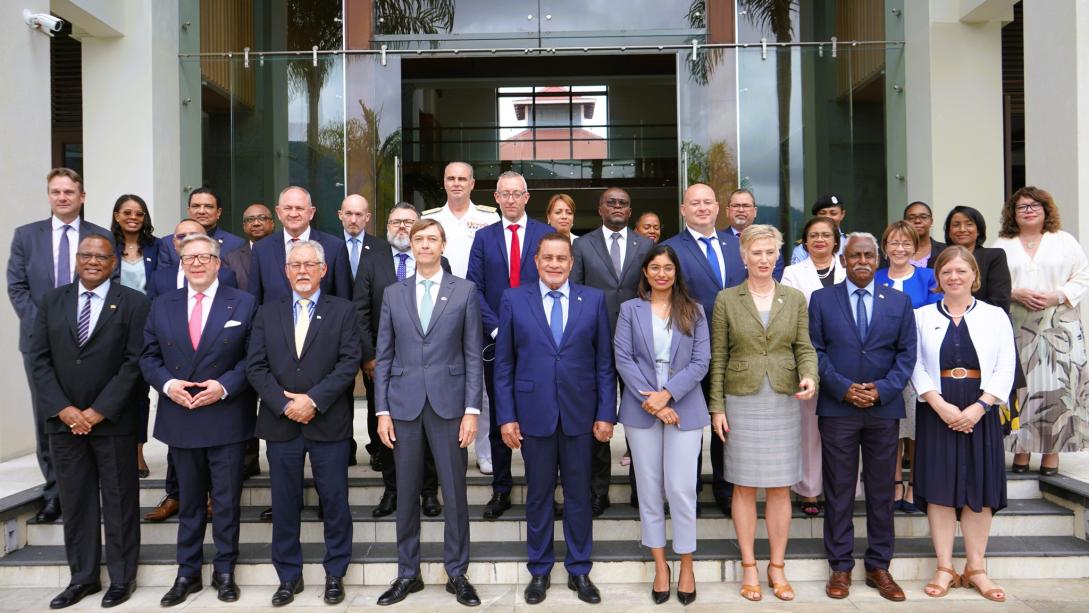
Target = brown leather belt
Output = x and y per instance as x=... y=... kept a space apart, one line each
x=961 y=373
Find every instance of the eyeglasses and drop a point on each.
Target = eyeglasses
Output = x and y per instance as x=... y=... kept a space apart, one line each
x=297 y=266
x=181 y=235
x=617 y=203
x=203 y=258
x=741 y=205
x=919 y=217
x=97 y=257
x=899 y=245
x=400 y=223
x=1033 y=206
x=510 y=195
x=256 y=218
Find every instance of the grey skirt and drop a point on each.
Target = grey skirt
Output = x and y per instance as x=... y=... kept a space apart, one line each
x=763 y=446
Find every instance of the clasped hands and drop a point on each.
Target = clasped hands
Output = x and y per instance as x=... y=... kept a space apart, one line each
x=299 y=408
x=1034 y=300
x=211 y=393
x=959 y=420
x=657 y=404
x=862 y=395
x=80 y=422
x=512 y=433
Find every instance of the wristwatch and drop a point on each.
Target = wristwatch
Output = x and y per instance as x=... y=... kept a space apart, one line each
x=1062 y=298
x=986 y=407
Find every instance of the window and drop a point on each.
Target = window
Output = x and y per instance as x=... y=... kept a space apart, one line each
x=553 y=122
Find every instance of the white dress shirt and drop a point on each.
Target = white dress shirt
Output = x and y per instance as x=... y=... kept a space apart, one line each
x=546 y=300
x=205 y=309
x=73 y=244
x=714 y=245
x=305 y=236
x=623 y=232
x=98 y=298
x=507 y=234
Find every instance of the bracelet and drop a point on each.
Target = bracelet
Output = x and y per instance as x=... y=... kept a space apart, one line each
x=986 y=407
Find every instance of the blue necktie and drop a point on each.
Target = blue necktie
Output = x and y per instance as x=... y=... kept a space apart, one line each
x=402 y=270
x=353 y=255
x=557 y=317
x=83 y=325
x=64 y=258
x=712 y=259
x=861 y=319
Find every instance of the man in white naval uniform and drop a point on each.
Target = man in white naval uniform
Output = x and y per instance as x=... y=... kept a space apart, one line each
x=460 y=219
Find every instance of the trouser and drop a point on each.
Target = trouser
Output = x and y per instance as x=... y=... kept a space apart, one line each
x=41 y=447
x=720 y=487
x=502 y=482
x=430 y=486
x=542 y=455
x=218 y=469
x=664 y=457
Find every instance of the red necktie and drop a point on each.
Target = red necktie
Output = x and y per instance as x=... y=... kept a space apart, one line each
x=515 y=256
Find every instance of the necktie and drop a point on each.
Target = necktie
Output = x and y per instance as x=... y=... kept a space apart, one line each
x=402 y=270
x=426 y=304
x=302 y=324
x=515 y=256
x=861 y=318
x=83 y=326
x=353 y=255
x=194 y=320
x=614 y=253
x=556 y=322
x=712 y=259
x=64 y=258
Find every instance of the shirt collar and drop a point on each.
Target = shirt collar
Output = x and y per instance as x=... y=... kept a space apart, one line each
x=58 y=224
x=348 y=237
x=851 y=287
x=295 y=298
x=395 y=253
x=564 y=289
x=695 y=233
x=209 y=294
x=437 y=277
x=609 y=233
x=521 y=222
x=100 y=291
x=305 y=236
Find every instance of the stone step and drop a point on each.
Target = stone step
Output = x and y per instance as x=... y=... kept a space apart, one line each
x=1024 y=517
x=1008 y=557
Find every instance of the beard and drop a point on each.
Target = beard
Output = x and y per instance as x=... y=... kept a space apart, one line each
x=399 y=242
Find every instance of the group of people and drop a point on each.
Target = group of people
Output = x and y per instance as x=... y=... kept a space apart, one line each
x=477 y=325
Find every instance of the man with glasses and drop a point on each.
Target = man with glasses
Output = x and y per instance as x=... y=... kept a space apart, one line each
x=206 y=409
x=43 y=256
x=502 y=258
x=256 y=224
x=391 y=261
x=610 y=259
x=741 y=211
x=204 y=208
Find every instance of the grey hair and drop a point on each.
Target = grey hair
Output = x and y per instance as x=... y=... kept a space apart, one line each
x=863 y=236
x=405 y=206
x=510 y=174
x=758 y=231
x=295 y=187
x=199 y=238
x=315 y=245
x=742 y=190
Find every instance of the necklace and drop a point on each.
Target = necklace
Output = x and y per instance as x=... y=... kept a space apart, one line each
x=758 y=294
x=945 y=309
x=827 y=271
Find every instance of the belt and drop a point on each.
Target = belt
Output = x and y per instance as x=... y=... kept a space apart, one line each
x=961 y=373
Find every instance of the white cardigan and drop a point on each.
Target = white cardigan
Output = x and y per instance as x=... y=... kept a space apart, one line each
x=803 y=276
x=991 y=333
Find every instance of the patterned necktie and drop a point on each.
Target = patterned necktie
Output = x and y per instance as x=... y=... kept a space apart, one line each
x=194 y=320
x=64 y=258
x=402 y=269
x=556 y=322
x=861 y=318
x=427 y=304
x=302 y=325
x=712 y=259
x=614 y=253
x=515 y=256
x=83 y=326
x=353 y=255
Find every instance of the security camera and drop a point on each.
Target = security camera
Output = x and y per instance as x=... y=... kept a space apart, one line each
x=43 y=22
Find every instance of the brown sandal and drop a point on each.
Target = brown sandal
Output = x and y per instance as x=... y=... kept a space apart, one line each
x=779 y=588
x=942 y=591
x=989 y=594
x=751 y=592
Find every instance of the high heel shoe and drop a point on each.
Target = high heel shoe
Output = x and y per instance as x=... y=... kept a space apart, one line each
x=686 y=598
x=751 y=591
x=989 y=594
x=955 y=582
x=1019 y=468
x=660 y=597
x=780 y=588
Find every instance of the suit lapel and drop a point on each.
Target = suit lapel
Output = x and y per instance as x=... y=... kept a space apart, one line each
x=645 y=313
x=71 y=305
x=287 y=319
x=697 y=251
x=877 y=311
x=45 y=237
x=630 y=254
x=749 y=305
x=777 y=304
x=537 y=308
x=179 y=311
x=408 y=293
x=675 y=344
x=501 y=246
x=533 y=234
x=315 y=323
x=597 y=243
x=222 y=309
x=845 y=306
x=574 y=309
x=441 y=301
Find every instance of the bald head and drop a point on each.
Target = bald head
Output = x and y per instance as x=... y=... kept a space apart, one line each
x=354 y=214
x=700 y=208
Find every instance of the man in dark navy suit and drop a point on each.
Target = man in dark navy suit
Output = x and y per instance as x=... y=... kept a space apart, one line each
x=295 y=211
x=555 y=390
x=166 y=279
x=43 y=256
x=204 y=208
x=304 y=354
x=865 y=341
x=194 y=354
x=257 y=223
x=502 y=258
x=710 y=262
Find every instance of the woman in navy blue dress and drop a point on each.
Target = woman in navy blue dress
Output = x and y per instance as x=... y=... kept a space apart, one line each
x=965 y=368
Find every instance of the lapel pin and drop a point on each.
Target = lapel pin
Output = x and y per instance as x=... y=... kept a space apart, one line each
x=780 y=301
x=113 y=306
x=317 y=316
x=881 y=295
x=580 y=298
x=367 y=247
x=229 y=307
x=443 y=298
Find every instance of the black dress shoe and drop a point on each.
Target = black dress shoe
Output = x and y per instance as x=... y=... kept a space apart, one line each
x=661 y=597
x=499 y=504
x=73 y=594
x=285 y=594
x=50 y=513
x=118 y=593
x=598 y=504
x=143 y=473
x=266 y=515
x=463 y=590
x=182 y=588
x=225 y=586
x=537 y=589
x=351 y=453
x=251 y=470
x=399 y=589
x=377 y=464
x=386 y=506
x=430 y=506
x=334 y=589
x=321 y=513
x=723 y=505
x=586 y=590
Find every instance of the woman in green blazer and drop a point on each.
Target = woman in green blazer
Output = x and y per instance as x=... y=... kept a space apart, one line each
x=762 y=364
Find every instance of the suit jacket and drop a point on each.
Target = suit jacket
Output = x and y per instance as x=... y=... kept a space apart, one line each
x=994 y=275
x=220 y=355
x=365 y=251
x=165 y=280
x=103 y=374
x=689 y=357
x=743 y=351
x=594 y=267
x=151 y=260
x=541 y=385
x=886 y=357
x=920 y=287
x=376 y=272
x=31 y=273
x=268 y=282
x=490 y=270
x=325 y=371
x=238 y=261
x=936 y=247
x=441 y=365
x=168 y=256
x=697 y=272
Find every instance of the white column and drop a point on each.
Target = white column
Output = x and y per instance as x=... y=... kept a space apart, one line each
x=953 y=91
x=1057 y=106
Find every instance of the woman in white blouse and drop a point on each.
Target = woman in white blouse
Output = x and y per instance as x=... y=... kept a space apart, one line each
x=1050 y=276
x=820 y=239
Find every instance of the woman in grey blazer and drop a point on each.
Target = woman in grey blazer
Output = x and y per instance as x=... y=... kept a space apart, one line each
x=662 y=352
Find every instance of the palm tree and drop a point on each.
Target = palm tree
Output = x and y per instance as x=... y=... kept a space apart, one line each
x=414 y=16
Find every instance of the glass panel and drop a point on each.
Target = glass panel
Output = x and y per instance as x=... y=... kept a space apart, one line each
x=613 y=15
x=267 y=25
x=373 y=132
